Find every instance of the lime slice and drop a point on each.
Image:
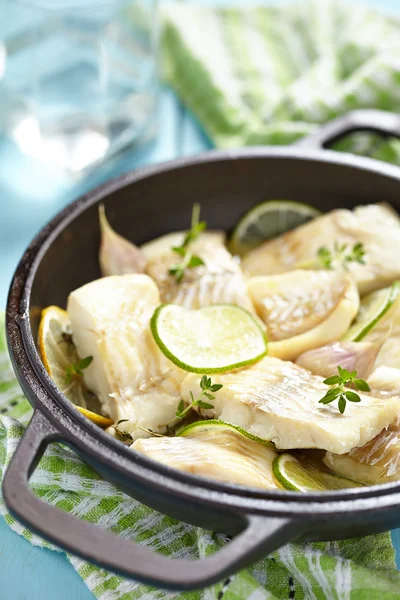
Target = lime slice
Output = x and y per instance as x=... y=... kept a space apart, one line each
x=58 y=353
x=200 y=427
x=268 y=220
x=298 y=477
x=373 y=307
x=213 y=339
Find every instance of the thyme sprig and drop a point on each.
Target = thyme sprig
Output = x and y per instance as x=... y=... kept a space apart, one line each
x=207 y=386
x=341 y=254
x=75 y=370
x=190 y=260
x=344 y=378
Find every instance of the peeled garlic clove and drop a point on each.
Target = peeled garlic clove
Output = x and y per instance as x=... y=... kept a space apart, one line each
x=117 y=255
x=353 y=356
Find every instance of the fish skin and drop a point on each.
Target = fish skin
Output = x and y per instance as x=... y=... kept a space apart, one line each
x=223 y=455
x=376 y=462
x=376 y=226
x=219 y=281
x=278 y=401
x=131 y=377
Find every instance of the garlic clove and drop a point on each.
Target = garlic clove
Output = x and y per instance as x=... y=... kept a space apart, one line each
x=117 y=255
x=353 y=356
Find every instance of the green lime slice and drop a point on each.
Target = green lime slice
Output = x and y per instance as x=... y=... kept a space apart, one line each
x=298 y=477
x=373 y=307
x=200 y=427
x=213 y=339
x=268 y=220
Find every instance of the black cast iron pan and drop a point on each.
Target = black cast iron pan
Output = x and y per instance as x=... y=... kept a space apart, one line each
x=63 y=256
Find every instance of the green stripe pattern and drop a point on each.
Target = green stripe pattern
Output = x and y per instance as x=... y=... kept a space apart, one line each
x=266 y=75
x=362 y=569
x=271 y=74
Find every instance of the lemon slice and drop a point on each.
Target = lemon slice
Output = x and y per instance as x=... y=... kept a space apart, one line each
x=298 y=477
x=212 y=339
x=373 y=308
x=58 y=353
x=268 y=220
x=200 y=427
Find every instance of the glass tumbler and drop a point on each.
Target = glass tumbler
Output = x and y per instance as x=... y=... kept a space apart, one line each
x=78 y=78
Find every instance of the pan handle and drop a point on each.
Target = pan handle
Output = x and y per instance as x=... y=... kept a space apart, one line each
x=378 y=121
x=258 y=537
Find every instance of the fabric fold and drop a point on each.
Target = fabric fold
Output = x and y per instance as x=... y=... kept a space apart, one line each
x=271 y=74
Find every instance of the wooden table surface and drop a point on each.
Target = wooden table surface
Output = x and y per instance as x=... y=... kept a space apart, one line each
x=30 y=194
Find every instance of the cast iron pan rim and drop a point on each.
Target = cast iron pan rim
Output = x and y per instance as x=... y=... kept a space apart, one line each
x=18 y=303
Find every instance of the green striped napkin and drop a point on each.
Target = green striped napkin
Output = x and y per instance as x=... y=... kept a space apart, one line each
x=271 y=74
x=264 y=75
x=362 y=569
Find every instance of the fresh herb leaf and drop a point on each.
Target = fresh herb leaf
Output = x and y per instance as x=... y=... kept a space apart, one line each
x=330 y=396
x=179 y=250
x=361 y=385
x=216 y=387
x=203 y=383
x=357 y=254
x=75 y=370
x=341 y=255
x=181 y=407
x=206 y=385
x=345 y=378
x=332 y=380
x=190 y=260
x=205 y=405
x=352 y=396
x=195 y=261
x=325 y=257
x=344 y=373
x=85 y=362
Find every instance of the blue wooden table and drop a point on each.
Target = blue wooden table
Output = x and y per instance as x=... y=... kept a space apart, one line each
x=30 y=193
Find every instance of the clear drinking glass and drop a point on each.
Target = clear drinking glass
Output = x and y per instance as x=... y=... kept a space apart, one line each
x=78 y=77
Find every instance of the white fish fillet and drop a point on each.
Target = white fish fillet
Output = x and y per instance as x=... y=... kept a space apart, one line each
x=376 y=462
x=278 y=401
x=304 y=309
x=131 y=377
x=223 y=455
x=384 y=381
x=219 y=281
x=376 y=226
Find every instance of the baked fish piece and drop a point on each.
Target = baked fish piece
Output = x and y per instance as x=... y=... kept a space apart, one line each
x=376 y=226
x=304 y=309
x=279 y=401
x=218 y=281
x=129 y=374
x=220 y=453
x=376 y=462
